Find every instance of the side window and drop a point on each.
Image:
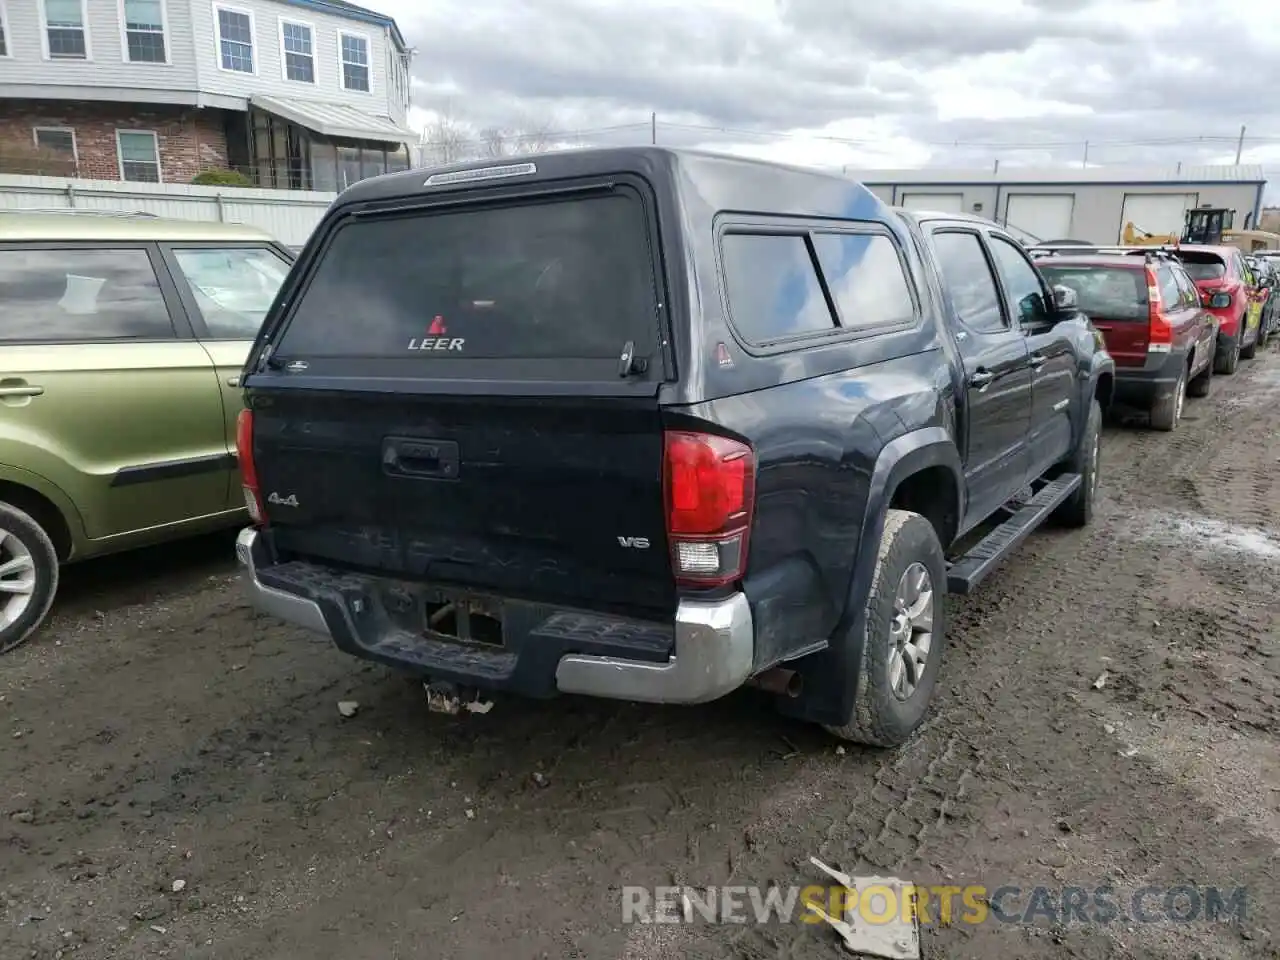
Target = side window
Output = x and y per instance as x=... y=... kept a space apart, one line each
x=80 y=296
x=969 y=280
x=1169 y=292
x=1026 y=292
x=773 y=287
x=866 y=279
x=232 y=287
x=1186 y=289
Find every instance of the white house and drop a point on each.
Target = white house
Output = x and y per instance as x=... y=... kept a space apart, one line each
x=300 y=94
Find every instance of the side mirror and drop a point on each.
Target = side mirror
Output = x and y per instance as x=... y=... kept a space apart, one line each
x=1065 y=299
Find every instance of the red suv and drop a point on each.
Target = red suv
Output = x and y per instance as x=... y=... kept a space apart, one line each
x=1157 y=330
x=1223 y=281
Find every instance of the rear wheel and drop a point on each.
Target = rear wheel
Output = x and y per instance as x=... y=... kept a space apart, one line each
x=1202 y=383
x=904 y=633
x=1167 y=411
x=1226 y=361
x=28 y=576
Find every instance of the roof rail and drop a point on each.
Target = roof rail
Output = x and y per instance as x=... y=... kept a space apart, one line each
x=84 y=212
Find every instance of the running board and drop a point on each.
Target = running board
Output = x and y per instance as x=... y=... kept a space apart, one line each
x=974 y=567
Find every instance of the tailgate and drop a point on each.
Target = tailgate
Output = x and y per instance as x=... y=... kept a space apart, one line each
x=467 y=393
x=544 y=501
x=1116 y=301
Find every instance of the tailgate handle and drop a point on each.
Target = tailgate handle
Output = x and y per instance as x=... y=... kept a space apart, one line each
x=428 y=459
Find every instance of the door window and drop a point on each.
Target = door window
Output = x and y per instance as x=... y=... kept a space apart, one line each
x=233 y=287
x=967 y=274
x=80 y=296
x=1026 y=292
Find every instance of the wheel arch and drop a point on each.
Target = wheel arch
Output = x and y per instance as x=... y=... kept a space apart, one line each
x=904 y=468
x=47 y=505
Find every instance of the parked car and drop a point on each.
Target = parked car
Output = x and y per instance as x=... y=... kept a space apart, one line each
x=1157 y=330
x=600 y=432
x=1222 y=277
x=1267 y=273
x=123 y=342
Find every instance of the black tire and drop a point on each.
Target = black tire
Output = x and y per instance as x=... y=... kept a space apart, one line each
x=1077 y=510
x=1167 y=411
x=21 y=536
x=1201 y=384
x=1226 y=361
x=880 y=717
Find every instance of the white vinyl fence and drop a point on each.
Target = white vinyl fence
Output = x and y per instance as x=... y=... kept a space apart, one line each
x=288 y=215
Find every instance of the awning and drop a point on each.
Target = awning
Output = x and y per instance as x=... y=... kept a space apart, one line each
x=335 y=119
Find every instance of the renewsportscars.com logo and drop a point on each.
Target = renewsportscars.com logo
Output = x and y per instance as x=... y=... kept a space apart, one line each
x=879 y=904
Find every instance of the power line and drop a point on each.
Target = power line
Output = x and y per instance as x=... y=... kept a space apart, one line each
x=654 y=127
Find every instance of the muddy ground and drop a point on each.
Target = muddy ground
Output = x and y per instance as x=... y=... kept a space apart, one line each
x=158 y=732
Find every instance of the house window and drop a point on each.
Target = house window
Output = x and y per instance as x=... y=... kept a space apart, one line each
x=57 y=140
x=235 y=40
x=4 y=35
x=299 y=52
x=355 y=62
x=144 y=31
x=139 y=156
x=65 y=32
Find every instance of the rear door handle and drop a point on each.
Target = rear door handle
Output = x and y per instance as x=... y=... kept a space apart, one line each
x=1038 y=360
x=982 y=379
x=26 y=390
x=233 y=381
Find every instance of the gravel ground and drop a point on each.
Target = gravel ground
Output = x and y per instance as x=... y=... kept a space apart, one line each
x=157 y=735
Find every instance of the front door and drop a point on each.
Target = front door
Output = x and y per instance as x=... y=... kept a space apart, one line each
x=227 y=290
x=103 y=398
x=997 y=377
x=1054 y=369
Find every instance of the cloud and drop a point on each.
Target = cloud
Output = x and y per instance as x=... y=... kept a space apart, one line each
x=863 y=82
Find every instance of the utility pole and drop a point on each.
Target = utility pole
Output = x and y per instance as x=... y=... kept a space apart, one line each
x=1085 y=161
x=1240 y=145
x=653 y=128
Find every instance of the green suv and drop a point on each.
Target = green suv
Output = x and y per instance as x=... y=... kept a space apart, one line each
x=121 y=343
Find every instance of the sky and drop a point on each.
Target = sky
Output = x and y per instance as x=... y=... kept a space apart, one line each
x=862 y=83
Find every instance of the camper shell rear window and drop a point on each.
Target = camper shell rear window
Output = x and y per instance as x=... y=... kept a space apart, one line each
x=566 y=278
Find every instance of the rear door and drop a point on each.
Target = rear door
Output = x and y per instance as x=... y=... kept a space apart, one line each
x=226 y=290
x=102 y=394
x=468 y=395
x=998 y=379
x=1195 y=327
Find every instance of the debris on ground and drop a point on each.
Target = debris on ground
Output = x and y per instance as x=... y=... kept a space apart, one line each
x=348 y=708
x=1101 y=681
x=898 y=938
x=178 y=886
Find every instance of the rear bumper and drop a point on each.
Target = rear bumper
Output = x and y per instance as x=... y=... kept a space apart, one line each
x=1154 y=380
x=710 y=652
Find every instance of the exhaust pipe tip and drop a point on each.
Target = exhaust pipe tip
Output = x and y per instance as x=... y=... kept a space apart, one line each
x=779 y=681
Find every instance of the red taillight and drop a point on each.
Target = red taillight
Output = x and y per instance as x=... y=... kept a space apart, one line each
x=1159 y=330
x=248 y=470
x=709 y=483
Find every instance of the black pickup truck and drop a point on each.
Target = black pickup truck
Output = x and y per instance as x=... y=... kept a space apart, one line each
x=653 y=424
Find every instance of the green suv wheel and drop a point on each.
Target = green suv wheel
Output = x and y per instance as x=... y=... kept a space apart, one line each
x=28 y=576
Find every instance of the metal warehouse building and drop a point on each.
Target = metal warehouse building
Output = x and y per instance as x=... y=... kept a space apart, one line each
x=1090 y=204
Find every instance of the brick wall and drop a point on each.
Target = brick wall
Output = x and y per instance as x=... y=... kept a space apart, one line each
x=190 y=140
